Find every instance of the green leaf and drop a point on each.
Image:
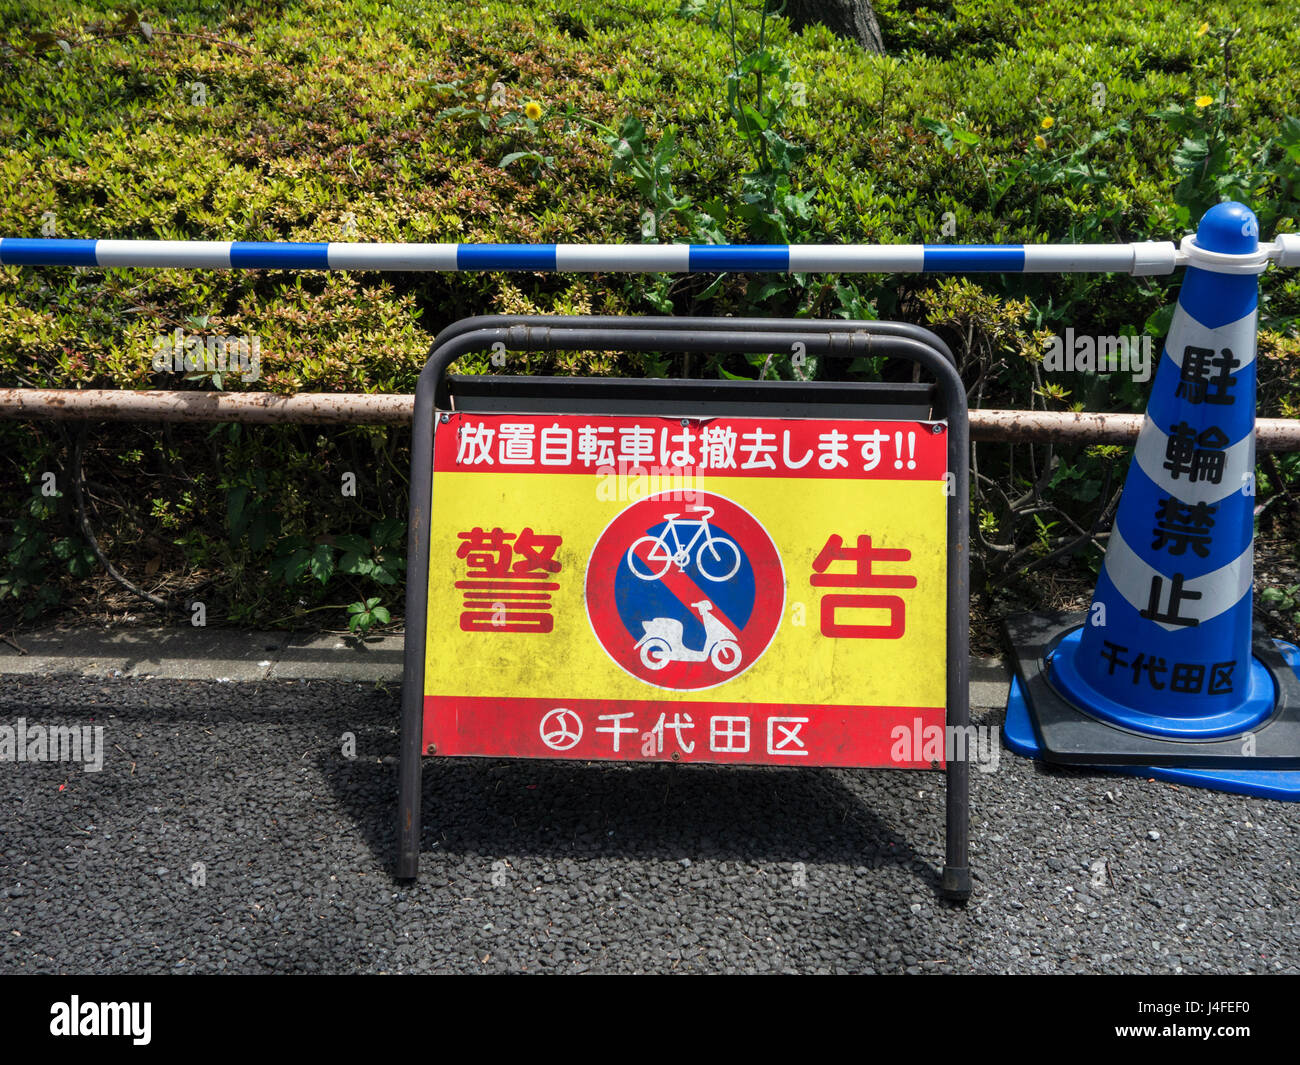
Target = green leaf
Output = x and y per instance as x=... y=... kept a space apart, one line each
x=755 y=120
x=940 y=130
x=761 y=62
x=1157 y=325
x=321 y=562
x=291 y=566
x=388 y=531
x=357 y=565
x=709 y=292
x=236 y=515
x=260 y=529
x=514 y=157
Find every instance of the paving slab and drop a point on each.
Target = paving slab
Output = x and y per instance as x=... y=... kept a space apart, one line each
x=330 y=656
x=249 y=656
x=174 y=653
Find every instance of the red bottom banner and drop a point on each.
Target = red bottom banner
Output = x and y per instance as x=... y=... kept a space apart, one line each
x=865 y=737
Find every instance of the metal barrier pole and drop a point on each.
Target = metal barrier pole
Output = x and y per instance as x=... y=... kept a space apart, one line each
x=1143 y=258
x=361 y=408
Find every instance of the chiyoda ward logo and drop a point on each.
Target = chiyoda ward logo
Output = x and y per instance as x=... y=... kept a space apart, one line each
x=685 y=595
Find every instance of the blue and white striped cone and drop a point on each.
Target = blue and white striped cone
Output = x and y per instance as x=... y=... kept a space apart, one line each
x=1164 y=677
x=1166 y=649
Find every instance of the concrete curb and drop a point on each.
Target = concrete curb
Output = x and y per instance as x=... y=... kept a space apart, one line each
x=243 y=656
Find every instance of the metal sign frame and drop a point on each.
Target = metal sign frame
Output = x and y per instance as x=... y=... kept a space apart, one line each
x=436 y=392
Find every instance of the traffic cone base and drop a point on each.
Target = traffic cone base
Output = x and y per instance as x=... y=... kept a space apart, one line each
x=1022 y=736
x=1069 y=732
x=1256 y=705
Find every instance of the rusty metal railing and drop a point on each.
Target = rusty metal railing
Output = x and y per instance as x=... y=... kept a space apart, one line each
x=319 y=408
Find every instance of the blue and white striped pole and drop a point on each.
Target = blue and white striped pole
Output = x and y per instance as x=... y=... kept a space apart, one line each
x=1138 y=259
x=1167 y=646
x=1145 y=258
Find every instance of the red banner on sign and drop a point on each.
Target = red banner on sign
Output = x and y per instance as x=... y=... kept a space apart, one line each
x=887 y=737
x=701 y=447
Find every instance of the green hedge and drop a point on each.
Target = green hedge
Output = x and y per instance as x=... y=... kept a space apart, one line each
x=356 y=119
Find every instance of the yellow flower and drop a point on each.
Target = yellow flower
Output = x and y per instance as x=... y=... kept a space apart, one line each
x=1203 y=29
x=1049 y=122
x=533 y=110
x=1041 y=141
x=1204 y=101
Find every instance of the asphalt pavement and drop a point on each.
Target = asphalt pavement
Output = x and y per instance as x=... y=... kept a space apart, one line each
x=248 y=825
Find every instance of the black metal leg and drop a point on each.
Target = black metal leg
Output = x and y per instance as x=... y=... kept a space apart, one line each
x=417 y=578
x=409 y=775
x=956 y=884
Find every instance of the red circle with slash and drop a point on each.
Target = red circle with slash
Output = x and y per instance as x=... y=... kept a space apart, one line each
x=685 y=594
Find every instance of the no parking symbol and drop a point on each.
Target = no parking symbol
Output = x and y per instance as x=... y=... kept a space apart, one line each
x=685 y=595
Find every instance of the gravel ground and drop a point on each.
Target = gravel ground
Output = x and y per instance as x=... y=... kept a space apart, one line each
x=227 y=832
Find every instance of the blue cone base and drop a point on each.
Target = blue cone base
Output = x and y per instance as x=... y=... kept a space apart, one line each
x=1257 y=705
x=1019 y=736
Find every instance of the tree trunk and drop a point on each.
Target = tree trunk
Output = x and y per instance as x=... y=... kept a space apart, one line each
x=855 y=19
